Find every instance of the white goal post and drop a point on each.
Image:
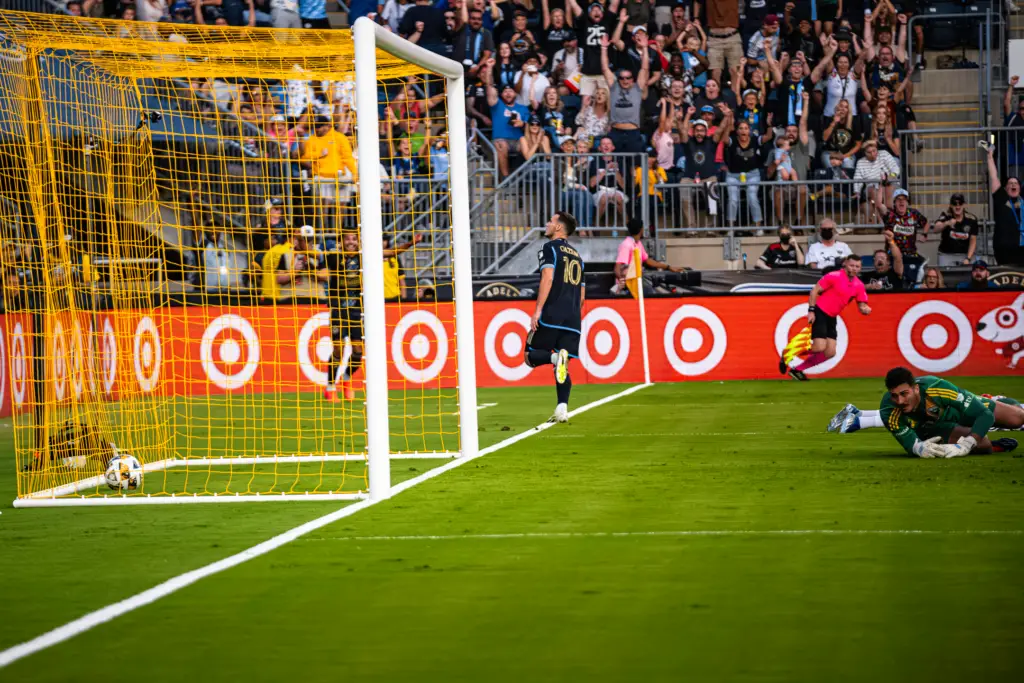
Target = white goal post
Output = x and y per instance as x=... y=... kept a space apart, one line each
x=369 y=37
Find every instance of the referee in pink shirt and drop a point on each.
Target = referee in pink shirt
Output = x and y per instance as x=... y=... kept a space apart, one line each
x=829 y=297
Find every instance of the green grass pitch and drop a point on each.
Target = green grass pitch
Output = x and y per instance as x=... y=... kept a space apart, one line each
x=560 y=558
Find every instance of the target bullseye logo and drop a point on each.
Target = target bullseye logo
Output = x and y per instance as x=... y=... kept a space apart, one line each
x=794 y=320
x=147 y=354
x=108 y=356
x=221 y=347
x=19 y=365
x=420 y=347
x=59 y=354
x=695 y=340
x=935 y=336
x=604 y=346
x=504 y=344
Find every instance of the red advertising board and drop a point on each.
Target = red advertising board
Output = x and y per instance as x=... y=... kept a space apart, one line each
x=212 y=350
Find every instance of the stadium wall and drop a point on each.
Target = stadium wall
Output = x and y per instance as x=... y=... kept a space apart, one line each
x=212 y=350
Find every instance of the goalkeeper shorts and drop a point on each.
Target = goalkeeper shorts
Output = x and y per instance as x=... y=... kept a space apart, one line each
x=347 y=323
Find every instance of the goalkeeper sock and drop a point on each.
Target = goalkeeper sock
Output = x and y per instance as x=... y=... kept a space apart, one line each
x=563 y=389
x=538 y=357
x=870 y=418
x=816 y=358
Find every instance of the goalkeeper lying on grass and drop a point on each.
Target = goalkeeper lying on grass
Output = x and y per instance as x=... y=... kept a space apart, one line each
x=933 y=418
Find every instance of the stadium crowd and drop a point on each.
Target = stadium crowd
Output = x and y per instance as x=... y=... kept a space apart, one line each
x=732 y=92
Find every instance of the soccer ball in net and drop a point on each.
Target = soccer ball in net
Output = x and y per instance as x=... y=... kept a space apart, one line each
x=124 y=472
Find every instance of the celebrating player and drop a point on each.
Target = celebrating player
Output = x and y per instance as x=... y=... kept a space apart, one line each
x=344 y=298
x=828 y=298
x=933 y=418
x=555 y=327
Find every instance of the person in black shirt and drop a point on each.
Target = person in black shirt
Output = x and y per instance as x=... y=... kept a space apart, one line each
x=425 y=25
x=520 y=38
x=590 y=28
x=744 y=159
x=343 y=272
x=785 y=253
x=472 y=45
x=886 y=276
x=555 y=30
x=959 y=233
x=1008 y=235
x=555 y=326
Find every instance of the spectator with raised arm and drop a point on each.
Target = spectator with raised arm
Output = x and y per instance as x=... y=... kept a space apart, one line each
x=627 y=95
x=888 y=272
x=744 y=159
x=1008 y=234
x=592 y=27
x=1013 y=140
x=425 y=25
x=472 y=44
x=905 y=223
x=959 y=240
x=800 y=152
x=508 y=118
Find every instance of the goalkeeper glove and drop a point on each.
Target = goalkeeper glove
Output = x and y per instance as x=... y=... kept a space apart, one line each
x=930 y=448
x=962 y=447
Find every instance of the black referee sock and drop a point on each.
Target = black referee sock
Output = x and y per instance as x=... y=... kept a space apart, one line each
x=563 y=389
x=538 y=357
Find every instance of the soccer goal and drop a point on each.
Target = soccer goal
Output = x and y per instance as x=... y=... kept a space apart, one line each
x=236 y=261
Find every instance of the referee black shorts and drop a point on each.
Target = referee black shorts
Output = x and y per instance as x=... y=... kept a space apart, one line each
x=824 y=326
x=546 y=338
x=347 y=322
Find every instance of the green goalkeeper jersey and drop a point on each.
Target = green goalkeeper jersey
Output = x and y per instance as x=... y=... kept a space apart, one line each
x=943 y=406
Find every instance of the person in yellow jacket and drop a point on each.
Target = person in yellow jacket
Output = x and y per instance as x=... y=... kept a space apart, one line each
x=294 y=268
x=328 y=155
x=655 y=175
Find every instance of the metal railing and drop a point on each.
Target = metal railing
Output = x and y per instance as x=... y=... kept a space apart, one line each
x=951 y=162
x=522 y=203
x=990 y=32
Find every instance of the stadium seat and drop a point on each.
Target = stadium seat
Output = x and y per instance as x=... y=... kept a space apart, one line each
x=943 y=34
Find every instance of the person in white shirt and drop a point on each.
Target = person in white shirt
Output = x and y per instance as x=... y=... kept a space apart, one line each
x=829 y=252
x=875 y=171
x=393 y=12
x=530 y=83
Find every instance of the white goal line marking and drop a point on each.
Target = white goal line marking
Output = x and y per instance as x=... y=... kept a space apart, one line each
x=117 y=609
x=693 y=532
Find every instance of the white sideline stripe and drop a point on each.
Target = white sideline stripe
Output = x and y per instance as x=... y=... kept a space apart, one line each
x=117 y=609
x=695 y=532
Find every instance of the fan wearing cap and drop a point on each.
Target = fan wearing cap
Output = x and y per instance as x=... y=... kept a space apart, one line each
x=698 y=159
x=508 y=117
x=519 y=37
x=765 y=40
x=959 y=228
x=979 y=281
x=530 y=83
x=591 y=26
x=905 y=223
x=629 y=54
x=535 y=140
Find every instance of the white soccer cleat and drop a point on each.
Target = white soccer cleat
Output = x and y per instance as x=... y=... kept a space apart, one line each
x=562 y=368
x=561 y=413
x=844 y=419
